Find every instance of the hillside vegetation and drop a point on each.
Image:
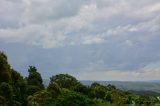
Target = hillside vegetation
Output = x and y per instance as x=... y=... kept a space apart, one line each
x=137 y=86
x=63 y=90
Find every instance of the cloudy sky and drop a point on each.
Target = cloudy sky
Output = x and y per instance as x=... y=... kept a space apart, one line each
x=90 y=39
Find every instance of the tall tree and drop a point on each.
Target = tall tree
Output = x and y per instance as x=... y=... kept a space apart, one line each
x=5 y=73
x=34 y=77
x=34 y=80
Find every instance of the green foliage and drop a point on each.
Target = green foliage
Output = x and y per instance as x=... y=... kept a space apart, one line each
x=34 y=77
x=31 y=89
x=3 y=101
x=34 y=81
x=54 y=90
x=108 y=97
x=48 y=101
x=81 y=88
x=145 y=100
x=111 y=87
x=5 y=74
x=65 y=81
x=19 y=86
x=71 y=98
x=38 y=97
x=6 y=91
x=15 y=76
x=101 y=102
x=97 y=91
x=156 y=101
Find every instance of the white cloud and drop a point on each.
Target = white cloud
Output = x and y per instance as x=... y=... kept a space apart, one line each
x=33 y=34
x=49 y=23
x=139 y=75
x=92 y=40
x=148 y=11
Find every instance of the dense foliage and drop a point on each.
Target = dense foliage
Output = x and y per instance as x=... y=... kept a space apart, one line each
x=63 y=90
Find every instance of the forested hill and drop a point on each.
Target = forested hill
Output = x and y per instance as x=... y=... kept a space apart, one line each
x=138 y=87
x=151 y=88
x=62 y=90
x=131 y=85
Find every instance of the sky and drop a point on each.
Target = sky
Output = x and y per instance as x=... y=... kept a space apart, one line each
x=89 y=39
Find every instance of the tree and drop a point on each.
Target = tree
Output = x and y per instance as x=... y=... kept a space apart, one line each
x=5 y=73
x=108 y=97
x=12 y=84
x=111 y=87
x=34 y=77
x=54 y=89
x=19 y=87
x=65 y=81
x=97 y=90
x=81 y=88
x=38 y=98
x=15 y=77
x=31 y=89
x=34 y=81
x=7 y=92
x=71 y=98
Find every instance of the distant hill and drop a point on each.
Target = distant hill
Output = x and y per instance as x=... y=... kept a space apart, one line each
x=138 y=87
x=150 y=93
x=146 y=86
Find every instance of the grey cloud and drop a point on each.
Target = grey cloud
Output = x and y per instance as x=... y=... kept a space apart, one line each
x=86 y=36
x=84 y=19
x=46 y=11
x=10 y=13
